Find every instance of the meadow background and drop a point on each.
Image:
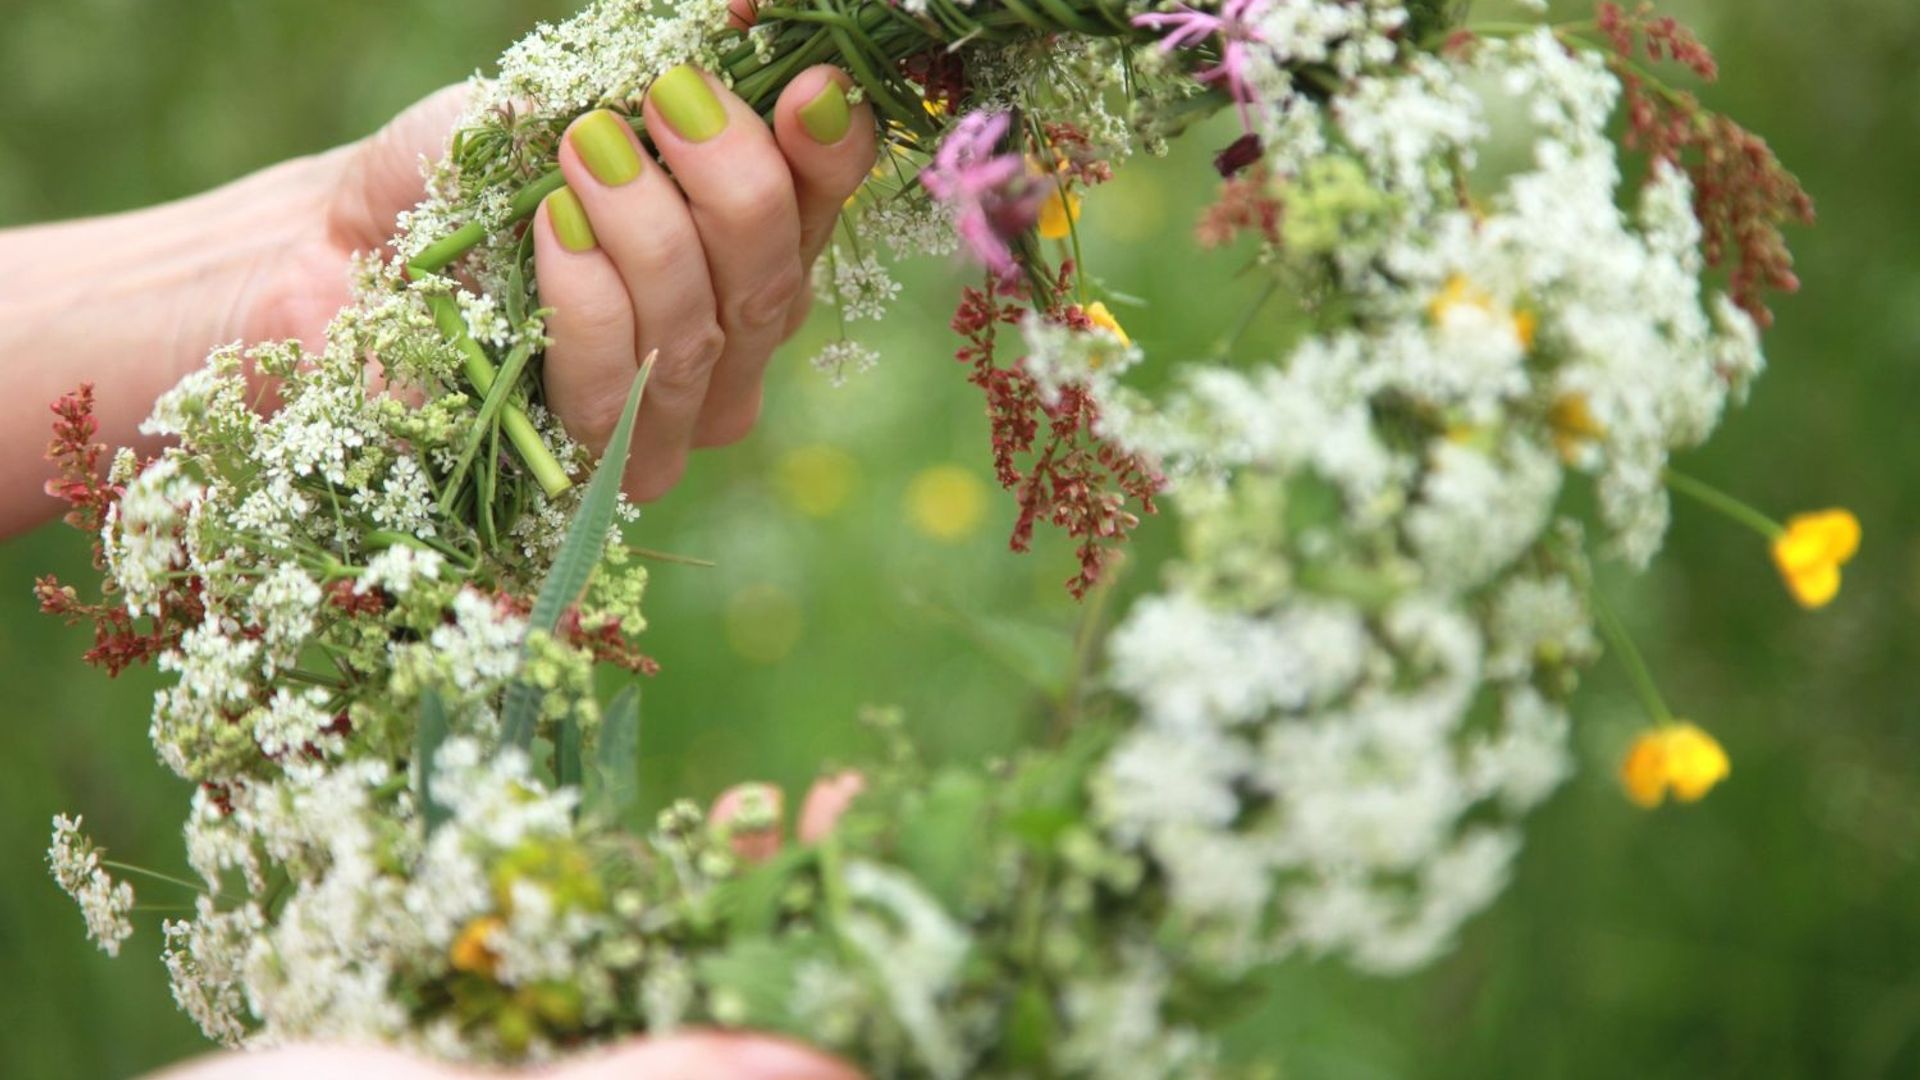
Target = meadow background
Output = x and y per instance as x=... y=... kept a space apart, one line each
x=1773 y=930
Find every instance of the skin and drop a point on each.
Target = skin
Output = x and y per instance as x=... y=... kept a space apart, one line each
x=705 y=257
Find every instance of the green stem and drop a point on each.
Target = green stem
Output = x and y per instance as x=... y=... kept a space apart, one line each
x=442 y=252
x=496 y=400
x=1726 y=504
x=520 y=431
x=1622 y=645
x=129 y=868
x=383 y=539
x=311 y=679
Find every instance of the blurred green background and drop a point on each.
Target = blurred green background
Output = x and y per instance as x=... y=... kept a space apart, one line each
x=1773 y=930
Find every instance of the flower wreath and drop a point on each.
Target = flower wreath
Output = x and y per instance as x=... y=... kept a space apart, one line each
x=414 y=820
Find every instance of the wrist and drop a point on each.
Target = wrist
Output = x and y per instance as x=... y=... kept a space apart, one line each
x=132 y=302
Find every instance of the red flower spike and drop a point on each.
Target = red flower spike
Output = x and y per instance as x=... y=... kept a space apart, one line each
x=1742 y=194
x=119 y=640
x=1077 y=481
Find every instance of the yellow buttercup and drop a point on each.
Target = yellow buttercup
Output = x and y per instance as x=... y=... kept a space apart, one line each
x=1677 y=757
x=1811 y=550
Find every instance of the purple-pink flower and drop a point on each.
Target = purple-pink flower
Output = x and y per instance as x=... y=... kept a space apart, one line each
x=993 y=198
x=1238 y=28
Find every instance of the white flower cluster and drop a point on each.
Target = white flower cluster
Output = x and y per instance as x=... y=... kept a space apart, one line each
x=1355 y=688
x=369 y=899
x=75 y=863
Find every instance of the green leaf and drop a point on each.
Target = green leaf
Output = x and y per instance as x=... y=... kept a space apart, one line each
x=1030 y=1028
x=580 y=553
x=1312 y=503
x=1040 y=654
x=943 y=836
x=752 y=904
x=615 y=771
x=431 y=732
x=752 y=982
x=566 y=754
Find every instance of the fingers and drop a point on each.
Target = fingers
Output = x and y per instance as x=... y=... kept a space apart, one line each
x=752 y=817
x=703 y=255
x=742 y=199
x=592 y=322
x=704 y=1055
x=826 y=802
x=641 y=229
x=829 y=144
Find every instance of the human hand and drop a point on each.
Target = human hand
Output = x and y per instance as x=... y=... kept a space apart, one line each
x=703 y=253
x=709 y=265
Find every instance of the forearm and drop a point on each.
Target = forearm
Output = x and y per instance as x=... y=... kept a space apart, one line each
x=133 y=301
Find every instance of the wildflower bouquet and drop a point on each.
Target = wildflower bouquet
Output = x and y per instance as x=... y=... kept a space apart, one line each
x=384 y=602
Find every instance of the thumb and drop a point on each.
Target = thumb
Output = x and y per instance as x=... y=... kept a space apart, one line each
x=382 y=175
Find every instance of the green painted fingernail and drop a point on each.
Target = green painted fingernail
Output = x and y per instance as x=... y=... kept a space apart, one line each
x=688 y=104
x=827 y=117
x=605 y=147
x=570 y=222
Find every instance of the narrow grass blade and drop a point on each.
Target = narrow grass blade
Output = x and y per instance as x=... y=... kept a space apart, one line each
x=432 y=731
x=579 y=554
x=616 y=766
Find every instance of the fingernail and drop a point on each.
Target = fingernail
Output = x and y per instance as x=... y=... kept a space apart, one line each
x=605 y=147
x=570 y=222
x=688 y=104
x=827 y=117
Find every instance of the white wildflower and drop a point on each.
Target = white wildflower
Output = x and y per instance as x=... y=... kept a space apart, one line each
x=104 y=902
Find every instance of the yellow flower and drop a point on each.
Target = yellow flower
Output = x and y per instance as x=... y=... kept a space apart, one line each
x=946 y=502
x=1811 y=551
x=1574 y=425
x=470 y=952
x=1098 y=315
x=1459 y=292
x=816 y=480
x=1525 y=327
x=1058 y=214
x=1676 y=757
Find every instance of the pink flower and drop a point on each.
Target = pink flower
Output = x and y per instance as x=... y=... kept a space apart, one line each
x=993 y=197
x=1237 y=27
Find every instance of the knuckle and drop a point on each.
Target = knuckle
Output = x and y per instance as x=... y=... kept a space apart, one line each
x=593 y=323
x=686 y=360
x=769 y=301
x=760 y=199
x=700 y=348
x=651 y=249
x=797 y=314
